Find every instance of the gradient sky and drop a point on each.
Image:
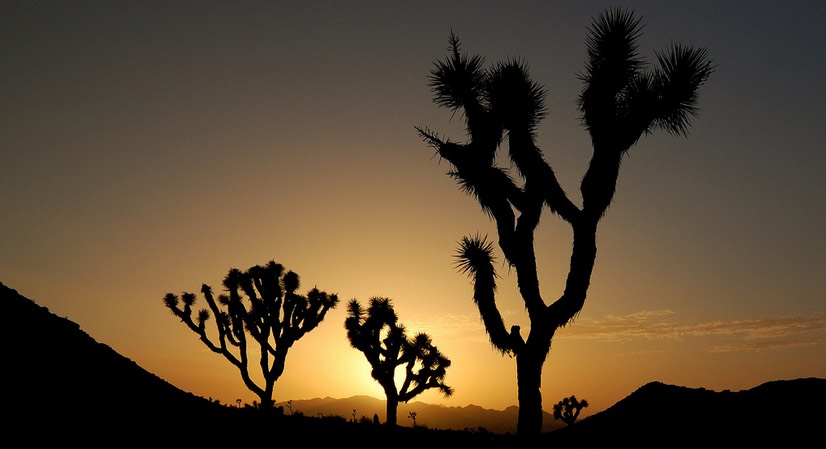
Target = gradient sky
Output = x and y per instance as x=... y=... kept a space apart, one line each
x=148 y=147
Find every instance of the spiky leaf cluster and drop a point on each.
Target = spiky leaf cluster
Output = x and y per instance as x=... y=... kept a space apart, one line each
x=621 y=99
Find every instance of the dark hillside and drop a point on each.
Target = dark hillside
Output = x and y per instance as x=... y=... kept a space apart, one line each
x=785 y=413
x=59 y=384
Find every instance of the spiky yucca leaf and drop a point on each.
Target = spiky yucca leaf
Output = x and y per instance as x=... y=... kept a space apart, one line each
x=613 y=56
x=188 y=299
x=613 y=65
x=475 y=255
x=516 y=100
x=232 y=279
x=354 y=308
x=457 y=81
x=291 y=281
x=203 y=316
x=681 y=73
x=320 y=299
x=206 y=290
x=170 y=300
x=382 y=311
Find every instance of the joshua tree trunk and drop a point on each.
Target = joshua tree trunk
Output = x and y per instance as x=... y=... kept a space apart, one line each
x=392 y=408
x=529 y=382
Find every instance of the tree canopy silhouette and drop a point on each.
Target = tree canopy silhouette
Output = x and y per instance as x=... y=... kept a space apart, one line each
x=568 y=409
x=378 y=334
x=273 y=315
x=622 y=99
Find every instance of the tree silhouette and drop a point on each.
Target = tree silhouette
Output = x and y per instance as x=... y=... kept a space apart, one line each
x=568 y=409
x=383 y=340
x=273 y=315
x=621 y=100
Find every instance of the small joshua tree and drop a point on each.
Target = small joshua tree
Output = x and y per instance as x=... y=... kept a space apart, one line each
x=383 y=340
x=412 y=415
x=273 y=316
x=568 y=409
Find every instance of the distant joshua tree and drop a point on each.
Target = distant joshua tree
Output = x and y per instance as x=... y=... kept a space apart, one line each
x=621 y=101
x=412 y=415
x=383 y=340
x=273 y=315
x=568 y=409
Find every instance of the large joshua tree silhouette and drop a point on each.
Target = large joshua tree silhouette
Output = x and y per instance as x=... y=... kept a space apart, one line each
x=622 y=99
x=273 y=315
x=378 y=334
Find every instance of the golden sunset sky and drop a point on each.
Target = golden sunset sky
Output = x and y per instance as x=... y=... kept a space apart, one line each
x=150 y=146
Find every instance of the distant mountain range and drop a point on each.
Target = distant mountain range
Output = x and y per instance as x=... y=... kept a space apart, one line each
x=61 y=387
x=471 y=417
